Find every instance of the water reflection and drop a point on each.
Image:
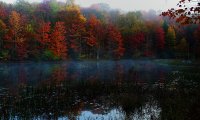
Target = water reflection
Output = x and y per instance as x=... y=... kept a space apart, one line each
x=105 y=90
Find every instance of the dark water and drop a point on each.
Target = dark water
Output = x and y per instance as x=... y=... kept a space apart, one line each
x=105 y=90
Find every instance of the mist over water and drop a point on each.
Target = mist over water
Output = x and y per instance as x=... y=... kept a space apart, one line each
x=33 y=71
x=126 y=89
x=99 y=60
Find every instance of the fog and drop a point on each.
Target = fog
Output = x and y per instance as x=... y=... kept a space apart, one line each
x=128 y=5
x=105 y=70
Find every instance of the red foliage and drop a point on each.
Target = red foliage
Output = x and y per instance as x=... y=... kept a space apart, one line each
x=92 y=25
x=2 y=12
x=58 y=41
x=91 y=41
x=21 y=49
x=8 y=42
x=186 y=13
x=75 y=27
x=148 y=53
x=15 y=39
x=59 y=74
x=75 y=35
x=115 y=41
x=43 y=35
x=137 y=39
x=93 y=21
x=160 y=38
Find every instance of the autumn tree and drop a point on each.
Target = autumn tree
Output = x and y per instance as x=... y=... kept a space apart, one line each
x=134 y=44
x=3 y=13
x=115 y=42
x=3 y=51
x=160 y=39
x=54 y=30
x=15 y=38
x=58 y=41
x=100 y=15
x=183 y=48
x=132 y=28
x=24 y=7
x=95 y=35
x=170 y=40
x=130 y=23
x=91 y=38
x=186 y=13
x=75 y=26
x=43 y=12
x=33 y=50
x=43 y=37
x=2 y=33
x=150 y=40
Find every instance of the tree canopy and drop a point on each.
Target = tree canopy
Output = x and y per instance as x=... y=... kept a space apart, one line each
x=188 y=12
x=53 y=30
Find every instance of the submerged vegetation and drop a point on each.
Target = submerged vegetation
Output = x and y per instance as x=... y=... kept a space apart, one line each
x=54 y=30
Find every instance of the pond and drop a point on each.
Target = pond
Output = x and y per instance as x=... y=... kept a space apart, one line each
x=99 y=90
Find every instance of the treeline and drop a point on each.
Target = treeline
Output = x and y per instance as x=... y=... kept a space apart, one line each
x=54 y=30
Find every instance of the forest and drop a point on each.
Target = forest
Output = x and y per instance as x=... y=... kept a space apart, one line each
x=60 y=60
x=53 y=30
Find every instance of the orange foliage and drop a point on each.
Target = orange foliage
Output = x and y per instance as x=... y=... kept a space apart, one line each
x=92 y=23
x=15 y=38
x=43 y=35
x=160 y=38
x=58 y=41
x=186 y=13
x=115 y=41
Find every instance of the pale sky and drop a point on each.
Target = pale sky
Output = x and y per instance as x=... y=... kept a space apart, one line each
x=126 y=5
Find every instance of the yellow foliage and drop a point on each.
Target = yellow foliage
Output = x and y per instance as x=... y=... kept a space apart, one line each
x=75 y=8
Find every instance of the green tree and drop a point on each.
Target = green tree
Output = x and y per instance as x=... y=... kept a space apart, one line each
x=183 y=48
x=24 y=7
x=165 y=25
x=170 y=40
x=55 y=7
x=130 y=23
